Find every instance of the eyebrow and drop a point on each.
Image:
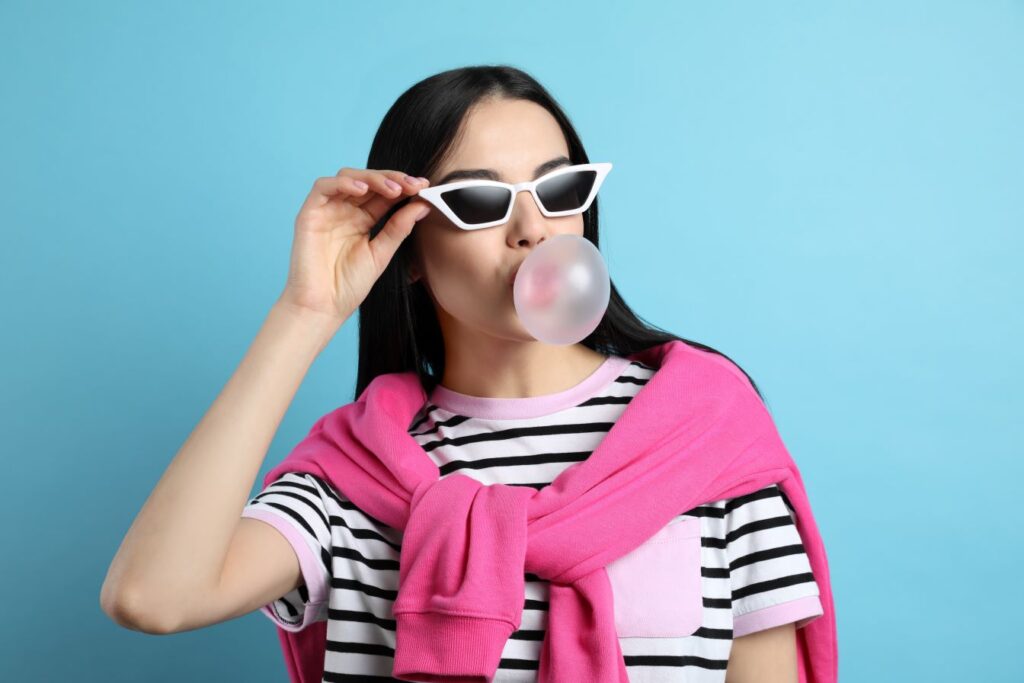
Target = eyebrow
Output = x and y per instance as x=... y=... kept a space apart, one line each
x=490 y=174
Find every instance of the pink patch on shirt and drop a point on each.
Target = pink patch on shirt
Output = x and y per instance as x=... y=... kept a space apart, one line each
x=656 y=587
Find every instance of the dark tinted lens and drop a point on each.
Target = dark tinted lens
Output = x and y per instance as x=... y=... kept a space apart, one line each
x=478 y=204
x=567 y=191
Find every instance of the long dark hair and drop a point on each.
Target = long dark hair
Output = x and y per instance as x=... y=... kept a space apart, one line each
x=398 y=326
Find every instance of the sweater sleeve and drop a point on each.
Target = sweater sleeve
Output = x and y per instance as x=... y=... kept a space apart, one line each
x=770 y=573
x=294 y=504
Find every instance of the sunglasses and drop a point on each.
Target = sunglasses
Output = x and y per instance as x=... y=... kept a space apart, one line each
x=478 y=204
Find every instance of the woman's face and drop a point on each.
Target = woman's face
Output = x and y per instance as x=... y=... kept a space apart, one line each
x=467 y=272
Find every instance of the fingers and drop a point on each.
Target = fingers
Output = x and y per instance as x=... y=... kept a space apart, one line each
x=329 y=187
x=386 y=188
x=384 y=183
x=375 y=191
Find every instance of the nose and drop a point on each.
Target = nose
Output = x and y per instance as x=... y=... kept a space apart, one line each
x=526 y=222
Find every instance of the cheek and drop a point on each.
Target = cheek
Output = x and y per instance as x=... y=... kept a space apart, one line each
x=463 y=274
x=451 y=259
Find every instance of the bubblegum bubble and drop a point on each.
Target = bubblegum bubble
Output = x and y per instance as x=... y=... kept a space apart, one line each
x=562 y=289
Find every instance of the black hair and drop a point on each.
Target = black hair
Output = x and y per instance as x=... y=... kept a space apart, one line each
x=398 y=326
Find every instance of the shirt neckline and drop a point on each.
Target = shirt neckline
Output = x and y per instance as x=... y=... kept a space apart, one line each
x=529 y=406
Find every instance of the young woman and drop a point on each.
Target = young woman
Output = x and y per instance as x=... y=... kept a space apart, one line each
x=502 y=408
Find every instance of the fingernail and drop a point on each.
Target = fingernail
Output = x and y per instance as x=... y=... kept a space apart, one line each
x=423 y=180
x=392 y=184
x=360 y=184
x=424 y=210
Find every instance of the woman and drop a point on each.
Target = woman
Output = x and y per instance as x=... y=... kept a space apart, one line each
x=503 y=408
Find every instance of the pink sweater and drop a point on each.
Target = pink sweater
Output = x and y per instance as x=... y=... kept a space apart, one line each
x=696 y=432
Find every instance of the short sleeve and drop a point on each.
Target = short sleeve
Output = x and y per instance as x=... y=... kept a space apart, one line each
x=769 y=571
x=295 y=505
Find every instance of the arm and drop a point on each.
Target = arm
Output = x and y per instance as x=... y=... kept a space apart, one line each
x=773 y=588
x=188 y=542
x=767 y=656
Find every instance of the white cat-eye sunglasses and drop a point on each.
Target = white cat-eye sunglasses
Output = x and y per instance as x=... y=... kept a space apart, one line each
x=478 y=204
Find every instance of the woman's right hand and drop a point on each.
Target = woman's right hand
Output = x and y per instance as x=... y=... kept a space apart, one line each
x=334 y=263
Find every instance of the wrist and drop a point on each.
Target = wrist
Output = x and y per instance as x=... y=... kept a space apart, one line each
x=317 y=322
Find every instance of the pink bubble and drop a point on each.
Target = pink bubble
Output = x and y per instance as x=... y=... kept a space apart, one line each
x=562 y=289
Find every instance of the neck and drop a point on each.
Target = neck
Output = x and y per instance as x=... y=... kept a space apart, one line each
x=517 y=369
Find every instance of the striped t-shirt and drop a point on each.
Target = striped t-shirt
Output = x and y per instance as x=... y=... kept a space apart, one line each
x=747 y=559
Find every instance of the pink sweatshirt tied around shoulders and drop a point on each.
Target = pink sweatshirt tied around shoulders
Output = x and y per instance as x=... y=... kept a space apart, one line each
x=696 y=432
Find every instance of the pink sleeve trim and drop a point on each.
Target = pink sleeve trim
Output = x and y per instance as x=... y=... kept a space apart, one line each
x=309 y=564
x=803 y=611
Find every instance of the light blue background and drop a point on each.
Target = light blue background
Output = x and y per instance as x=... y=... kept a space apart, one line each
x=830 y=193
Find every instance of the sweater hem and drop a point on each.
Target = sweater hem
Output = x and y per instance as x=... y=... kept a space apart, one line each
x=435 y=647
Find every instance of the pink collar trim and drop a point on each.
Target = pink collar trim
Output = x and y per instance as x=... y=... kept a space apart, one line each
x=530 y=406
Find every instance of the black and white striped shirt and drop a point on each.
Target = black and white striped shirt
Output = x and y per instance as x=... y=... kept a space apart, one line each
x=747 y=559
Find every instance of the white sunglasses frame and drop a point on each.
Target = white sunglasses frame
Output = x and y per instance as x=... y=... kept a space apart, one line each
x=433 y=194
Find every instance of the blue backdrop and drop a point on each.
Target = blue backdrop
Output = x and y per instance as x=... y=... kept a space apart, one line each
x=830 y=193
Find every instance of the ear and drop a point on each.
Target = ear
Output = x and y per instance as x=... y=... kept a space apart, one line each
x=412 y=261
x=413 y=274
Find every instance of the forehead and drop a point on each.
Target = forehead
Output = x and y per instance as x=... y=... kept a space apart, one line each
x=510 y=136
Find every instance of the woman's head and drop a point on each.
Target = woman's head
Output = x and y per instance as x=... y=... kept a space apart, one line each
x=448 y=283
x=466 y=272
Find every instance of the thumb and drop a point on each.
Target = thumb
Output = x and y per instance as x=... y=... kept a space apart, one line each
x=386 y=242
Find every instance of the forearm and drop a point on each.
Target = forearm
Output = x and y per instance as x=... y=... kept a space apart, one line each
x=180 y=537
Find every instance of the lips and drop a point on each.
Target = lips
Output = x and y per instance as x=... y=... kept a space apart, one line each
x=512 y=277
